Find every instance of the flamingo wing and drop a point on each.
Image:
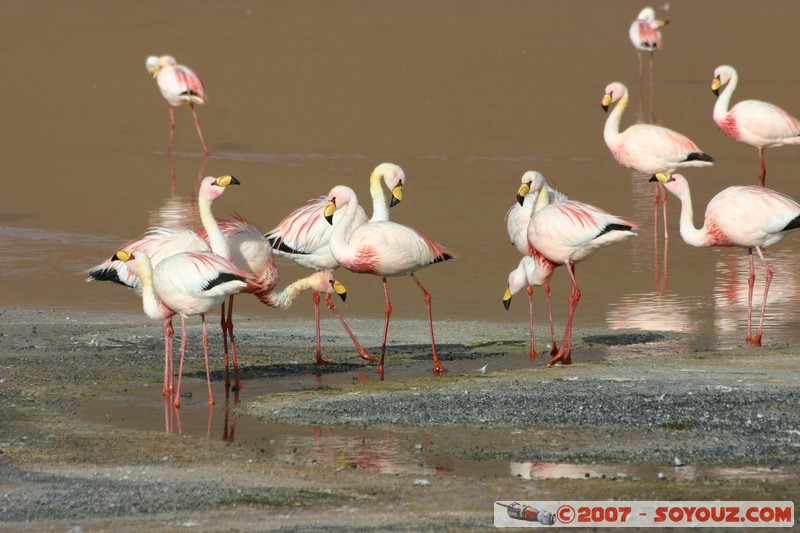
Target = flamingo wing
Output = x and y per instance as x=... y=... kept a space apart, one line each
x=647 y=148
x=766 y=122
x=752 y=215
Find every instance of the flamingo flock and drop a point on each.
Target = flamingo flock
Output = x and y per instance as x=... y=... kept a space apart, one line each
x=180 y=271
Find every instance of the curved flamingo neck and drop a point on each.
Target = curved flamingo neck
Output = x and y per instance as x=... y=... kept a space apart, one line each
x=285 y=298
x=339 y=243
x=151 y=304
x=217 y=240
x=380 y=211
x=611 y=129
x=690 y=234
x=724 y=99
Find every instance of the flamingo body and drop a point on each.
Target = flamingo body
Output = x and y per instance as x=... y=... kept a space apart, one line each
x=645 y=31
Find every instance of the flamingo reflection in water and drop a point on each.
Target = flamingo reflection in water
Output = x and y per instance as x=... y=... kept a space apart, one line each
x=180 y=86
x=751 y=217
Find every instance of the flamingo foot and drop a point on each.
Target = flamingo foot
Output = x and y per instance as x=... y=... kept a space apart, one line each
x=554 y=350
x=564 y=357
x=177 y=404
x=321 y=361
x=438 y=369
x=211 y=401
x=367 y=357
x=754 y=341
x=533 y=355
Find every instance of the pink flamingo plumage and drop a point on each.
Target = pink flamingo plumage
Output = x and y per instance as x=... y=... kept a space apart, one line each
x=568 y=232
x=303 y=236
x=751 y=217
x=759 y=124
x=537 y=271
x=384 y=249
x=179 y=85
x=648 y=148
x=645 y=35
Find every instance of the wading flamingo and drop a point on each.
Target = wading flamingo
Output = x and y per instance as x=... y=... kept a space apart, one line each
x=752 y=122
x=382 y=248
x=179 y=85
x=566 y=233
x=745 y=216
x=303 y=236
x=539 y=270
x=648 y=148
x=645 y=34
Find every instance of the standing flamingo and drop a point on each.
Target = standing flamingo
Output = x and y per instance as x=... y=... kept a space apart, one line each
x=539 y=270
x=648 y=148
x=179 y=85
x=303 y=236
x=752 y=122
x=382 y=248
x=568 y=232
x=645 y=34
x=745 y=216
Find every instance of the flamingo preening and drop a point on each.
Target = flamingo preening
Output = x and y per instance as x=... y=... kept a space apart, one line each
x=759 y=124
x=566 y=233
x=381 y=248
x=179 y=85
x=749 y=216
x=303 y=236
x=645 y=35
x=648 y=148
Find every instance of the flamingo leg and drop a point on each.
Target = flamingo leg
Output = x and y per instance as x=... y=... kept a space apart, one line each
x=224 y=325
x=751 y=279
x=171 y=128
x=236 y=383
x=554 y=347
x=664 y=198
x=655 y=210
x=565 y=354
x=530 y=316
x=361 y=351
x=184 y=340
x=437 y=365
x=320 y=360
x=762 y=167
x=205 y=353
x=199 y=131
x=387 y=314
x=757 y=338
x=169 y=336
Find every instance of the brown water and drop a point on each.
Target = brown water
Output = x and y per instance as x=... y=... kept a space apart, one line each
x=464 y=95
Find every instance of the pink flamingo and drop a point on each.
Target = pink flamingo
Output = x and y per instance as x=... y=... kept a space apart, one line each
x=566 y=233
x=179 y=85
x=384 y=249
x=745 y=216
x=648 y=148
x=645 y=36
x=752 y=122
x=303 y=236
x=539 y=270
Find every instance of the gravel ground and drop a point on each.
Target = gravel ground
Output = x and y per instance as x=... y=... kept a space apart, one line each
x=631 y=398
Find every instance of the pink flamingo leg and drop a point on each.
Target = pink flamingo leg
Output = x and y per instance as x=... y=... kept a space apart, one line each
x=533 y=353
x=199 y=131
x=169 y=336
x=237 y=385
x=664 y=199
x=320 y=360
x=751 y=280
x=180 y=366
x=437 y=366
x=757 y=338
x=171 y=128
x=224 y=325
x=205 y=353
x=565 y=354
x=361 y=351
x=554 y=347
x=762 y=168
x=387 y=314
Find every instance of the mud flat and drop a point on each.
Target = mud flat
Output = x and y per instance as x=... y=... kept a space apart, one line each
x=633 y=399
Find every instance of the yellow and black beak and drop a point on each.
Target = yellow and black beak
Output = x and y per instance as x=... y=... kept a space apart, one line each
x=339 y=289
x=522 y=192
x=661 y=23
x=122 y=255
x=330 y=209
x=663 y=177
x=606 y=102
x=397 y=195
x=224 y=181
x=507 y=299
x=715 y=85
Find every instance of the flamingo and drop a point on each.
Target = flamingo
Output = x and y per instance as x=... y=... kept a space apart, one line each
x=303 y=236
x=568 y=232
x=648 y=148
x=645 y=36
x=539 y=270
x=384 y=249
x=179 y=85
x=748 y=216
x=752 y=122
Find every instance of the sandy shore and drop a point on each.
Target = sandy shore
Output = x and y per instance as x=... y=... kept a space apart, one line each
x=623 y=402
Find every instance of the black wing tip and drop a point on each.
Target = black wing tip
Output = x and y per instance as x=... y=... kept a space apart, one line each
x=615 y=227
x=223 y=277
x=105 y=274
x=699 y=156
x=793 y=224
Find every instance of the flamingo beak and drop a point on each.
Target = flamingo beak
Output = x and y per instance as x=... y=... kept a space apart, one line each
x=507 y=299
x=339 y=289
x=661 y=23
x=224 y=181
x=397 y=195
x=330 y=209
x=715 y=85
x=663 y=177
x=606 y=102
x=122 y=255
x=523 y=191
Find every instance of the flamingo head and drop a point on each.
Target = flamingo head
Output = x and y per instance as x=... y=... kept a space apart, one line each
x=614 y=91
x=394 y=178
x=323 y=281
x=212 y=188
x=337 y=197
x=647 y=14
x=531 y=181
x=137 y=262
x=674 y=183
x=155 y=64
x=722 y=75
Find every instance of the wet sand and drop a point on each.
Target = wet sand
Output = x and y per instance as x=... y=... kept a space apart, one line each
x=640 y=403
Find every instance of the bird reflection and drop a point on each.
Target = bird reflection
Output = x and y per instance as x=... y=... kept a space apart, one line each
x=229 y=416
